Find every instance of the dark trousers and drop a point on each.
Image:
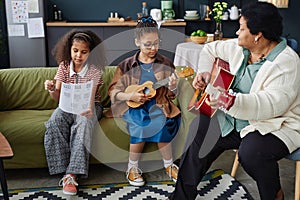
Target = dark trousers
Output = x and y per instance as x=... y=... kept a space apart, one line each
x=258 y=154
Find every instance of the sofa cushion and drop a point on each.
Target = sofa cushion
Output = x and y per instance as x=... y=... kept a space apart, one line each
x=23 y=88
x=25 y=130
x=24 y=126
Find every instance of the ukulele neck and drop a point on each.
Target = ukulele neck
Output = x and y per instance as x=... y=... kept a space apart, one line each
x=161 y=83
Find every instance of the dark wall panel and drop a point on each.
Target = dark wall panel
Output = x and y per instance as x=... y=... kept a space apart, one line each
x=4 y=56
x=291 y=23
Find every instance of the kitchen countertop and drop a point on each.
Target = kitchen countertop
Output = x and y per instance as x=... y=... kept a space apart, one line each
x=125 y=23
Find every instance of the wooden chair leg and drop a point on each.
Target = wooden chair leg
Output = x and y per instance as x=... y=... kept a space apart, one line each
x=235 y=165
x=297 y=181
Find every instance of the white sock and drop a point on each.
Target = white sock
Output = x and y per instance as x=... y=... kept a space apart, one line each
x=132 y=163
x=167 y=163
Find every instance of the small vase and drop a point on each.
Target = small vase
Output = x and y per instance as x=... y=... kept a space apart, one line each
x=218 y=33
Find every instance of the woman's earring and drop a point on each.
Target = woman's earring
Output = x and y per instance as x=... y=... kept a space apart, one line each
x=255 y=40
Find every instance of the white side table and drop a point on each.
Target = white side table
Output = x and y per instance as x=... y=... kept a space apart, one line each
x=187 y=54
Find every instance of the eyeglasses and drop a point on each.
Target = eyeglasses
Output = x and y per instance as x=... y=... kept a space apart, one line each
x=150 y=45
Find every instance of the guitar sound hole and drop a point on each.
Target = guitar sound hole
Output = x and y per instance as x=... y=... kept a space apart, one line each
x=146 y=90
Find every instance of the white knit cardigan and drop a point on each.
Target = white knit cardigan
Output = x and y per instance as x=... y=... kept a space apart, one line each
x=273 y=104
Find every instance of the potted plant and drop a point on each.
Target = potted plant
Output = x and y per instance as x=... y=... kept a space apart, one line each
x=217 y=13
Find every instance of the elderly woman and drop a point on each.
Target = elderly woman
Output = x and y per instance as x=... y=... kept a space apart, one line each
x=263 y=118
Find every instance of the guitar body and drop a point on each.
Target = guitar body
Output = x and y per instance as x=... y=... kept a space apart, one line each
x=220 y=77
x=224 y=80
x=146 y=88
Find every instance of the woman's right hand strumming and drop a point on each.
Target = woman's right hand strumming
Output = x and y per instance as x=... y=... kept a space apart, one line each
x=201 y=80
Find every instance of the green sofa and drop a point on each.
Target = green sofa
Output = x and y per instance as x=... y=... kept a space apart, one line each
x=25 y=106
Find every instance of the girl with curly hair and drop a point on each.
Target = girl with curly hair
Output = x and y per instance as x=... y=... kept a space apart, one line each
x=81 y=58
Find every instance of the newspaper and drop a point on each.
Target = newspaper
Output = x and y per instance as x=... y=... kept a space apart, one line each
x=75 y=98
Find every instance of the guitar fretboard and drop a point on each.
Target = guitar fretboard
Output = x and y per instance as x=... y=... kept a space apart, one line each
x=161 y=83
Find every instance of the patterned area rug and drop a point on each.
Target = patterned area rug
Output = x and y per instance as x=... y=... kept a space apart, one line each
x=216 y=185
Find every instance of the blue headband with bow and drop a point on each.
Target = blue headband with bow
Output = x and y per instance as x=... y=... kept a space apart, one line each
x=148 y=19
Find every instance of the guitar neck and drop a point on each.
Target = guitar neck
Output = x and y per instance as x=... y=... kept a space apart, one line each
x=184 y=73
x=161 y=83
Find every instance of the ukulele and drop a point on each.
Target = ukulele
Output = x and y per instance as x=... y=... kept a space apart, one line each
x=220 y=76
x=149 y=88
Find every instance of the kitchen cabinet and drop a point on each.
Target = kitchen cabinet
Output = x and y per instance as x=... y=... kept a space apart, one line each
x=118 y=38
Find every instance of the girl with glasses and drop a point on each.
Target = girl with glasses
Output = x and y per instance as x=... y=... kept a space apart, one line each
x=155 y=118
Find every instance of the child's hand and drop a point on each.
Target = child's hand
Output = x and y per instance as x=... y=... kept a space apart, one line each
x=88 y=113
x=172 y=82
x=49 y=85
x=138 y=97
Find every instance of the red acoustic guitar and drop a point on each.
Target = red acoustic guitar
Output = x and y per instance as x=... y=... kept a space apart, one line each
x=220 y=76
